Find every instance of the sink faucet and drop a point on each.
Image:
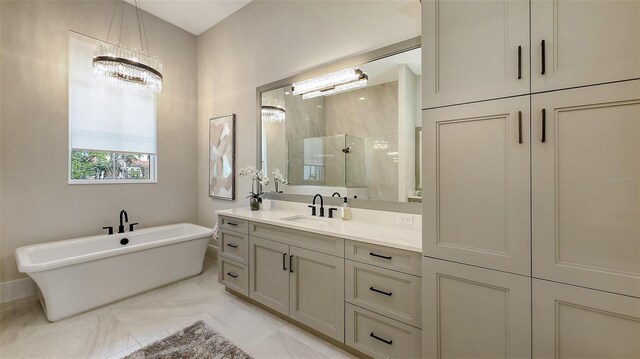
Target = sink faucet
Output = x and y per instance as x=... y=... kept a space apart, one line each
x=336 y=194
x=313 y=206
x=126 y=219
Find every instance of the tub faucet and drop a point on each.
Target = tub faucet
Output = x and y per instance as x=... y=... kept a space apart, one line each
x=126 y=219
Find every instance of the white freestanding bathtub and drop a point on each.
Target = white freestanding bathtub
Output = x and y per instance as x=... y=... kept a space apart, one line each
x=77 y=275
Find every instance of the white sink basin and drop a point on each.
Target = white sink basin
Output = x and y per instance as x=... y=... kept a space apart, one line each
x=306 y=219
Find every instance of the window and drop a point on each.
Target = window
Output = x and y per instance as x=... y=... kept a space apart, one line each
x=112 y=132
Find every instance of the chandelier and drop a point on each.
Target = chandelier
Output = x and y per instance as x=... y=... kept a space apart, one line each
x=131 y=69
x=273 y=114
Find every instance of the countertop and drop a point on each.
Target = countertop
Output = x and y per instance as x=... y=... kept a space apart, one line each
x=367 y=226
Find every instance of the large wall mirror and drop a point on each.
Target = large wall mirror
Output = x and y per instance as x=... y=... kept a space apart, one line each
x=350 y=128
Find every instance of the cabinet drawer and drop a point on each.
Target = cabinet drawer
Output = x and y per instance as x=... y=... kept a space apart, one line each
x=233 y=275
x=379 y=336
x=233 y=224
x=386 y=257
x=390 y=293
x=234 y=245
x=302 y=239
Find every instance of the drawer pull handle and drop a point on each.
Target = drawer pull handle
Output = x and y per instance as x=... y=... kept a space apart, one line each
x=380 y=291
x=232 y=275
x=291 y=264
x=389 y=342
x=232 y=224
x=232 y=245
x=379 y=255
x=284 y=261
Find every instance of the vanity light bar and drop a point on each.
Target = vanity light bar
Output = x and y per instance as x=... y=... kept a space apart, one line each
x=329 y=81
x=338 y=88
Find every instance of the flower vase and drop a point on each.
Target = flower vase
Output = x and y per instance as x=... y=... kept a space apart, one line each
x=254 y=203
x=276 y=182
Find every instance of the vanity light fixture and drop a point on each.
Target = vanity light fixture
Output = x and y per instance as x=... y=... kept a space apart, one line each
x=273 y=114
x=127 y=68
x=331 y=83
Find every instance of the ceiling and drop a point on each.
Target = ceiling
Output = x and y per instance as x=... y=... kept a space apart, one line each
x=194 y=16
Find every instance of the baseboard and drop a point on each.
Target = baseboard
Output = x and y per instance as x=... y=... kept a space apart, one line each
x=212 y=252
x=17 y=289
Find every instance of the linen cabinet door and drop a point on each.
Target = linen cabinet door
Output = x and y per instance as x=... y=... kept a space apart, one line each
x=576 y=43
x=471 y=312
x=317 y=291
x=586 y=187
x=477 y=175
x=574 y=322
x=269 y=273
x=474 y=50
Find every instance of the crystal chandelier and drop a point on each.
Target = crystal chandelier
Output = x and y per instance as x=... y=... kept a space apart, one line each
x=127 y=68
x=331 y=83
x=273 y=114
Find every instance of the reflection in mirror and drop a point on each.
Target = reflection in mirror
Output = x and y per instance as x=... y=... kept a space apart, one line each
x=358 y=142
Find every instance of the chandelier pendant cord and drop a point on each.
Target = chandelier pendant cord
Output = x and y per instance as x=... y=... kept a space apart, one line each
x=138 y=16
x=142 y=31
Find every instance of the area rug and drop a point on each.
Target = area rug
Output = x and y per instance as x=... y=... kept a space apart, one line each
x=196 y=341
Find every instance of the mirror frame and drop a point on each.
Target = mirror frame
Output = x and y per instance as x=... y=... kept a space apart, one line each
x=394 y=49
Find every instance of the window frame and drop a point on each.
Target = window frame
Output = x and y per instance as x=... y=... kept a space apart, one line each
x=153 y=171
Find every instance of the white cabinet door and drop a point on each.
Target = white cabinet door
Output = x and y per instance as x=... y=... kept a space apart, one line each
x=317 y=291
x=474 y=50
x=470 y=312
x=477 y=195
x=269 y=273
x=586 y=187
x=574 y=322
x=585 y=42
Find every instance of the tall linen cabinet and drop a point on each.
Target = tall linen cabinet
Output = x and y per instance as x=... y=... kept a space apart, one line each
x=531 y=158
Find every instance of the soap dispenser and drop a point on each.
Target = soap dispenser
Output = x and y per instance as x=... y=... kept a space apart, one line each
x=345 y=210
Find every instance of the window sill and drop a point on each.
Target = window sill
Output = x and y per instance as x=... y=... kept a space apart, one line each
x=149 y=181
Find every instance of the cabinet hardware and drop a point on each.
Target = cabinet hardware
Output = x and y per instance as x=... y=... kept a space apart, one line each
x=519 y=126
x=542 y=48
x=284 y=261
x=380 y=291
x=380 y=339
x=291 y=264
x=232 y=224
x=544 y=125
x=232 y=245
x=232 y=275
x=379 y=255
x=519 y=62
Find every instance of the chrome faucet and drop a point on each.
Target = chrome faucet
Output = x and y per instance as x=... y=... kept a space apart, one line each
x=313 y=205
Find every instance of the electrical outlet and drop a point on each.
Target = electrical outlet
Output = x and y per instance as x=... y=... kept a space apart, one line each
x=405 y=219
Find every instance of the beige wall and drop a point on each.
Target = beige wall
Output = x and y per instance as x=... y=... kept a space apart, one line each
x=269 y=40
x=37 y=203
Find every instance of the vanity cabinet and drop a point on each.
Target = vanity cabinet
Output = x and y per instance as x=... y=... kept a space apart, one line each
x=269 y=274
x=476 y=208
x=586 y=187
x=471 y=312
x=585 y=42
x=316 y=291
x=305 y=285
x=234 y=245
x=474 y=50
x=574 y=322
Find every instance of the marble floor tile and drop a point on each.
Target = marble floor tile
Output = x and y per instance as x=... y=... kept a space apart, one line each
x=244 y=324
x=155 y=312
x=26 y=333
x=125 y=352
x=281 y=345
x=316 y=343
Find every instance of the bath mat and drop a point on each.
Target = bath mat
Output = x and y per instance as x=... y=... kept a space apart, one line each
x=196 y=341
